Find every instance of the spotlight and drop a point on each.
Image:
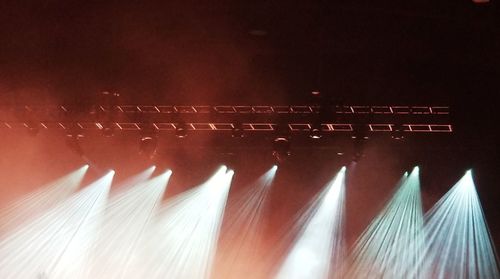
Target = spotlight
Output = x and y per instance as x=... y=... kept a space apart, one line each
x=281 y=149
x=315 y=132
x=73 y=135
x=107 y=129
x=282 y=130
x=237 y=130
x=181 y=130
x=281 y=143
x=74 y=131
x=398 y=132
x=148 y=141
x=148 y=145
x=360 y=136
x=360 y=132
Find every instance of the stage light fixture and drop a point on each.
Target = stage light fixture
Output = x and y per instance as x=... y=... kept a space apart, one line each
x=181 y=130
x=148 y=146
x=237 y=130
x=360 y=132
x=281 y=143
x=315 y=132
x=74 y=131
x=149 y=140
x=398 y=132
x=360 y=136
x=107 y=129
x=281 y=149
x=73 y=135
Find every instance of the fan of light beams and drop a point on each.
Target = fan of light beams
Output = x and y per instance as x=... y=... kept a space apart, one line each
x=382 y=250
x=457 y=240
x=64 y=230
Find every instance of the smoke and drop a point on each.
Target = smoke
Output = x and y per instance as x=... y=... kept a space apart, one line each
x=151 y=53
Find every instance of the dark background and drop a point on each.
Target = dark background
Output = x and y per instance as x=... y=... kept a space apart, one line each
x=261 y=52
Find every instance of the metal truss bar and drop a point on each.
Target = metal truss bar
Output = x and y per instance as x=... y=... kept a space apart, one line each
x=241 y=109
x=207 y=126
x=294 y=109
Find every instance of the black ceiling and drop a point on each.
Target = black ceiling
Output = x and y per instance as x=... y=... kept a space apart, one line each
x=412 y=52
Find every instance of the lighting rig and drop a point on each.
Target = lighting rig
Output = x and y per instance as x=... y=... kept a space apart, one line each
x=250 y=119
x=280 y=122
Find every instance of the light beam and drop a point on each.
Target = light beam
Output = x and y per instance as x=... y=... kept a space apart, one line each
x=126 y=217
x=382 y=250
x=28 y=207
x=41 y=247
x=318 y=248
x=237 y=255
x=182 y=240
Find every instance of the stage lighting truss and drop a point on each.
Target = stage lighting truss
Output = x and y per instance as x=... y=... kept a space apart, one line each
x=262 y=118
